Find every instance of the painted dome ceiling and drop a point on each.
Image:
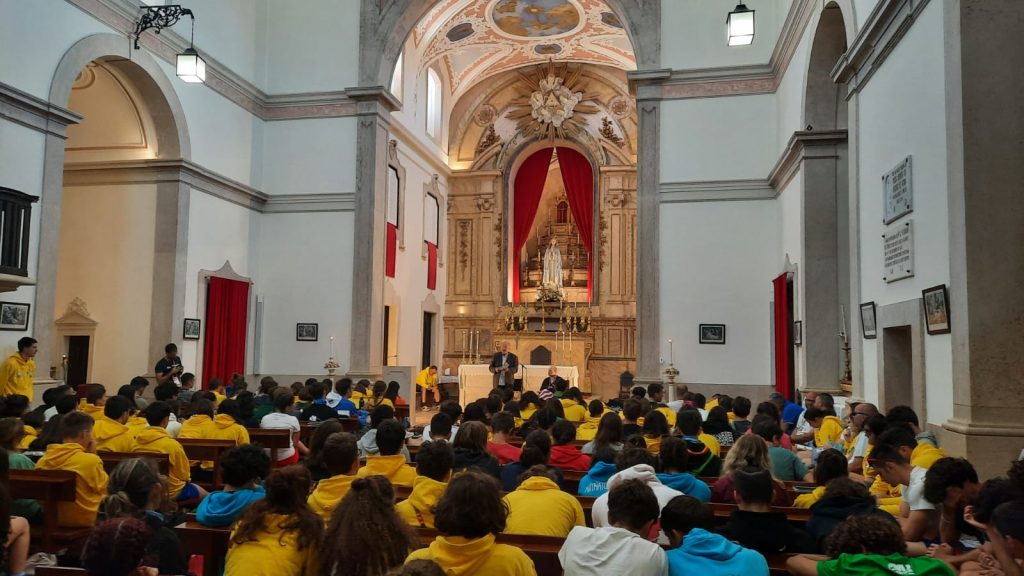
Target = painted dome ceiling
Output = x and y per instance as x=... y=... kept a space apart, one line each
x=475 y=39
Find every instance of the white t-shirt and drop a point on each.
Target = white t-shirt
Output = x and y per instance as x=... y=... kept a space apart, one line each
x=643 y=472
x=281 y=421
x=426 y=433
x=913 y=493
x=609 y=550
x=860 y=447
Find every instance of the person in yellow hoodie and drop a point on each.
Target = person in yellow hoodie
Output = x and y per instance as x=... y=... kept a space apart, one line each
x=216 y=387
x=828 y=429
x=135 y=422
x=390 y=462
x=588 y=429
x=226 y=426
x=279 y=534
x=831 y=464
x=340 y=457
x=110 y=431
x=95 y=399
x=572 y=403
x=656 y=393
x=77 y=453
x=469 y=516
x=433 y=470
x=538 y=506
x=155 y=439
x=19 y=370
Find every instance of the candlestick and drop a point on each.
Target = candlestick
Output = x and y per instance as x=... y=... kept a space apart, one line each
x=671 y=354
x=464 y=346
x=842 y=319
x=332 y=346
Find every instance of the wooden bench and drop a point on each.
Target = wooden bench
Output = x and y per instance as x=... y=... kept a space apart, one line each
x=307 y=429
x=796 y=516
x=56 y=571
x=210 y=543
x=271 y=438
x=571 y=481
x=210 y=451
x=49 y=487
x=112 y=459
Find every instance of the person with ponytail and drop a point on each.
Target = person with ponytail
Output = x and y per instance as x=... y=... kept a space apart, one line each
x=366 y=536
x=279 y=535
x=118 y=547
x=136 y=490
x=376 y=398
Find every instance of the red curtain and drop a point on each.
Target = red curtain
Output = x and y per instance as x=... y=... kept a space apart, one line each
x=227 y=317
x=391 y=251
x=578 y=179
x=783 y=338
x=431 y=266
x=529 y=186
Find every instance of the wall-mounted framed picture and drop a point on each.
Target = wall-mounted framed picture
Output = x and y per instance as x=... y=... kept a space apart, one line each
x=867 y=320
x=798 y=332
x=191 y=330
x=307 y=332
x=14 y=316
x=712 y=334
x=936 y=309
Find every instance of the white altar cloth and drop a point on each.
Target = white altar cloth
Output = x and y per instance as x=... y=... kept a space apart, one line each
x=476 y=380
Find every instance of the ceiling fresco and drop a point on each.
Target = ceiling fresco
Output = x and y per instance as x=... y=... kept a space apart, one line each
x=475 y=39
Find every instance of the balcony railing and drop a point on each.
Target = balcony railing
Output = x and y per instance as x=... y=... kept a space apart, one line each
x=15 y=227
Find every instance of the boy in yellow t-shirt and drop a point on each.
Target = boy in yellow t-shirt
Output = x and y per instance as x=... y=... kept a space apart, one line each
x=340 y=456
x=76 y=453
x=828 y=429
x=95 y=399
x=539 y=507
x=433 y=470
x=390 y=462
x=110 y=431
x=19 y=371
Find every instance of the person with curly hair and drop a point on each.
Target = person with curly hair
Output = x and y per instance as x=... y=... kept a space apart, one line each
x=868 y=545
x=469 y=516
x=117 y=547
x=341 y=458
x=278 y=535
x=434 y=464
x=243 y=469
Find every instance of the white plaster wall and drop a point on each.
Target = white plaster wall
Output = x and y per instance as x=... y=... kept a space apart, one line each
x=106 y=259
x=693 y=33
x=718 y=261
x=218 y=232
x=901 y=112
x=718 y=138
x=409 y=287
x=789 y=98
x=21 y=168
x=305 y=275
x=863 y=9
x=312 y=156
x=312 y=46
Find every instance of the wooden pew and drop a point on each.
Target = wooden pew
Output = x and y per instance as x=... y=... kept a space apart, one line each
x=48 y=487
x=274 y=439
x=57 y=571
x=112 y=459
x=796 y=516
x=210 y=543
x=571 y=481
x=207 y=450
x=307 y=429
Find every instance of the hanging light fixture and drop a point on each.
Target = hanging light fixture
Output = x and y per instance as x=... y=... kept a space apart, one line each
x=189 y=65
x=739 y=26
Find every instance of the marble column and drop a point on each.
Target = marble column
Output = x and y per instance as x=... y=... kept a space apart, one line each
x=986 y=230
x=170 y=252
x=375 y=105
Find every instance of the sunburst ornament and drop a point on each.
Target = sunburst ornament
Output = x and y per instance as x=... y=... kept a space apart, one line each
x=551 y=102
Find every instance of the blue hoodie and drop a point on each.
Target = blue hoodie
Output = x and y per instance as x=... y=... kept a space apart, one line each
x=711 y=554
x=595 y=483
x=222 y=508
x=687 y=484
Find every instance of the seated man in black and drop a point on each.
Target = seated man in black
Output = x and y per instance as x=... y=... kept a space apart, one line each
x=754 y=525
x=318 y=411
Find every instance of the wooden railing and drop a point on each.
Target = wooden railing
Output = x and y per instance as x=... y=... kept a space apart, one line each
x=15 y=225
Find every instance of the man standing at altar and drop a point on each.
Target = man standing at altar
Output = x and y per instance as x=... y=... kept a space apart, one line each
x=504 y=366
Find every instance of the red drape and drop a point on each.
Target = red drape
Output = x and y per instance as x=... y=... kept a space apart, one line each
x=431 y=266
x=783 y=337
x=391 y=251
x=227 y=317
x=529 y=186
x=578 y=179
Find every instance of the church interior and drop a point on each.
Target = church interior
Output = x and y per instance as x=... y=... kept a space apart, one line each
x=765 y=199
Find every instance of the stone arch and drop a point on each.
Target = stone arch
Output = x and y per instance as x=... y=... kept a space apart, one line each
x=173 y=143
x=383 y=33
x=825 y=100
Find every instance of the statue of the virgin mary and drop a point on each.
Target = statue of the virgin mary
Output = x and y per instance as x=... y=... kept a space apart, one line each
x=552 y=278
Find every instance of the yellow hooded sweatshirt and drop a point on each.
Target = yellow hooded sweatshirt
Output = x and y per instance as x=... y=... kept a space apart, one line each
x=539 y=507
x=418 y=508
x=112 y=436
x=328 y=494
x=830 y=432
x=459 y=556
x=16 y=376
x=273 y=552
x=30 y=435
x=137 y=424
x=669 y=415
x=924 y=455
x=807 y=500
x=156 y=440
x=225 y=428
x=588 y=430
x=711 y=442
x=653 y=444
x=91 y=409
x=197 y=426
x=90 y=487
x=573 y=411
x=393 y=468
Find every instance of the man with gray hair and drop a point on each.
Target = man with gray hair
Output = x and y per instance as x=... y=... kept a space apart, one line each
x=504 y=366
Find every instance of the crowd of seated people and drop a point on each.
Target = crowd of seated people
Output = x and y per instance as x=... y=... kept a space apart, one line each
x=630 y=486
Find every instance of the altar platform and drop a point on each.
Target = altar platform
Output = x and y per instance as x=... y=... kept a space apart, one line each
x=476 y=380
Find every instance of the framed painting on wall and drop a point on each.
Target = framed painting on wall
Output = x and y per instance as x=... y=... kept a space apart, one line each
x=936 y=309
x=712 y=334
x=306 y=332
x=867 y=320
x=191 y=329
x=14 y=316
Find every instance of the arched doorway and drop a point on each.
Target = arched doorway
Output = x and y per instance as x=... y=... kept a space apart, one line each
x=108 y=181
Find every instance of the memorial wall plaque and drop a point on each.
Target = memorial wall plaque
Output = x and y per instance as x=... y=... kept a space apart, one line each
x=898 y=191
x=898 y=252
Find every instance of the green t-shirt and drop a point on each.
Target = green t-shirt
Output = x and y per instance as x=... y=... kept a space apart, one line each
x=28 y=509
x=874 y=564
x=786 y=466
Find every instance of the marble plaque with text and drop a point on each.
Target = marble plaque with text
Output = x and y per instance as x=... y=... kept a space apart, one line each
x=898 y=252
